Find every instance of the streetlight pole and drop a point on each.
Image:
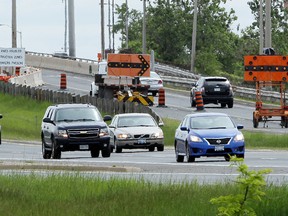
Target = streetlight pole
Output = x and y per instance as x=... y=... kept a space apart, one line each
x=193 y=49
x=14 y=26
x=102 y=31
x=261 y=27
x=268 y=40
x=144 y=28
x=72 y=49
x=126 y=24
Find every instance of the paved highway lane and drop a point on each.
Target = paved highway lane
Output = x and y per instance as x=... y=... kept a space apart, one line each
x=152 y=166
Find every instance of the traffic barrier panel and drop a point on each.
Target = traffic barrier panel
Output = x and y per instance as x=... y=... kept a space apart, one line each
x=161 y=98
x=63 y=82
x=199 y=101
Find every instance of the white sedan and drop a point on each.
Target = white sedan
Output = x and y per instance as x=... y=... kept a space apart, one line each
x=136 y=130
x=154 y=81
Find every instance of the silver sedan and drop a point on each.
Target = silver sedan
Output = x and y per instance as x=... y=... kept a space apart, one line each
x=136 y=130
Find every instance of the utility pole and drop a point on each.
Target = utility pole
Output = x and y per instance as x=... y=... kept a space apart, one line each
x=194 y=31
x=109 y=24
x=126 y=24
x=102 y=30
x=261 y=27
x=72 y=51
x=113 y=35
x=65 y=31
x=14 y=25
x=268 y=41
x=144 y=28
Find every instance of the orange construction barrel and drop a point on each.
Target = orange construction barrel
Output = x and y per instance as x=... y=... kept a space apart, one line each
x=63 y=83
x=199 y=101
x=161 y=98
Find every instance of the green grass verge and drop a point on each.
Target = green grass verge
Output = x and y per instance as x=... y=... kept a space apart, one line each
x=75 y=195
x=22 y=121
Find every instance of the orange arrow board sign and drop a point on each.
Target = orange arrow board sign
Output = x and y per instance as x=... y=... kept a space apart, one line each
x=128 y=65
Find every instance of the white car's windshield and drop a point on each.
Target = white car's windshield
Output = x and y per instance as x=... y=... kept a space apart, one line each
x=136 y=121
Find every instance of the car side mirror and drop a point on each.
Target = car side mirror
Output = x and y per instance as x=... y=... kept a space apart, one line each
x=47 y=120
x=193 y=84
x=107 y=118
x=161 y=124
x=184 y=128
x=1 y=116
x=239 y=127
x=112 y=126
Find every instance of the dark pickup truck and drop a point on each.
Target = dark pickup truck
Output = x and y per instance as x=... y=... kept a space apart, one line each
x=74 y=127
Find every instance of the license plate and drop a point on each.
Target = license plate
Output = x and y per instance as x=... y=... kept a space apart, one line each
x=217 y=89
x=141 y=141
x=84 y=147
x=219 y=148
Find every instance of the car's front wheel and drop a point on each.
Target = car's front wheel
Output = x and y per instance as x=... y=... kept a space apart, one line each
x=188 y=155
x=118 y=149
x=179 y=158
x=151 y=149
x=230 y=104
x=56 y=152
x=95 y=153
x=106 y=152
x=45 y=153
x=160 y=148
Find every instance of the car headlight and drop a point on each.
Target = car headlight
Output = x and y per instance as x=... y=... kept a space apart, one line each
x=62 y=133
x=104 y=132
x=158 y=135
x=124 y=136
x=239 y=137
x=195 y=138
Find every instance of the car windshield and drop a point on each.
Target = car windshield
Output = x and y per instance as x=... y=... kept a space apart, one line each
x=136 y=121
x=211 y=122
x=154 y=75
x=213 y=82
x=78 y=114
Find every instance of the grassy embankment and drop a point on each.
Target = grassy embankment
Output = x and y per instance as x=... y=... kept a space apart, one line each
x=76 y=195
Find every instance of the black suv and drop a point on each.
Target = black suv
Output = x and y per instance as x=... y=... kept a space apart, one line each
x=214 y=90
x=74 y=127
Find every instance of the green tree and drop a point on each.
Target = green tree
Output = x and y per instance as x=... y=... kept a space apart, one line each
x=279 y=31
x=169 y=34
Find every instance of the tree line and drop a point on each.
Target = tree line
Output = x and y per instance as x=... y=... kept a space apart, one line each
x=219 y=49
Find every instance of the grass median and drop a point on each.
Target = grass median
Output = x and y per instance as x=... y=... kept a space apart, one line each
x=76 y=195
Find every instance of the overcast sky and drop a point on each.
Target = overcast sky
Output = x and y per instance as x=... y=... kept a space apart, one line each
x=41 y=23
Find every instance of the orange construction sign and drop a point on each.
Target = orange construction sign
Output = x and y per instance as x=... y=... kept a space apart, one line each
x=128 y=65
x=266 y=68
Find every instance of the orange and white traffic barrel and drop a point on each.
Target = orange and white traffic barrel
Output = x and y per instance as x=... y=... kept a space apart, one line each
x=63 y=82
x=199 y=101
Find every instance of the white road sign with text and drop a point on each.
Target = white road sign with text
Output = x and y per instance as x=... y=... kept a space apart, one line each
x=12 y=57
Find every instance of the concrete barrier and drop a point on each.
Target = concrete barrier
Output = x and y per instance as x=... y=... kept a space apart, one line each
x=59 y=64
x=28 y=77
